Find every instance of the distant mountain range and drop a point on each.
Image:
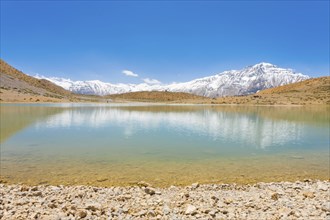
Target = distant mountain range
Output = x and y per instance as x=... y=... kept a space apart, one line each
x=246 y=81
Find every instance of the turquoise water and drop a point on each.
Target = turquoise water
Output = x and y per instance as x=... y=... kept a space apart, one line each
x=121 y=144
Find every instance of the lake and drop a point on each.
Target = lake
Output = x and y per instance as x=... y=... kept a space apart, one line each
x=122 y=144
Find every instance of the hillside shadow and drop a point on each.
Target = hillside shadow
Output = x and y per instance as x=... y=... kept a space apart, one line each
x=16 y=118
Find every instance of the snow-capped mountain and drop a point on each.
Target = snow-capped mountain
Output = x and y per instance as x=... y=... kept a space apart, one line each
x=228 y=83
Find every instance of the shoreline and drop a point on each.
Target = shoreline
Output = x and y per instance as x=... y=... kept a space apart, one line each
x=307 y=199
x=174 y=103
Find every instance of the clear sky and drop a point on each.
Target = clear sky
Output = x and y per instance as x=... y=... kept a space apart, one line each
x=128 y=41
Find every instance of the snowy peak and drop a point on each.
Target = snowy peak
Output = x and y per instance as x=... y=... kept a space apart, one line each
x=249 y=80
x=264 y=65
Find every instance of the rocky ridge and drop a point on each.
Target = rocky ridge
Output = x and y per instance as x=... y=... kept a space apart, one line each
x=284 y=200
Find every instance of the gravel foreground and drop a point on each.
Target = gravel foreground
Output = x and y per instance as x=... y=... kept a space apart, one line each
x=283 y=200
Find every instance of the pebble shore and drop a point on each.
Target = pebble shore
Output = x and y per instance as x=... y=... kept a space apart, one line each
x=282 y=200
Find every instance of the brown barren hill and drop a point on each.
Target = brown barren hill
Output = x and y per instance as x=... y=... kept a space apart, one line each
x=16 y=86
x=8 y=70
x=319 y=86
x=157 y=96
x=307 y=92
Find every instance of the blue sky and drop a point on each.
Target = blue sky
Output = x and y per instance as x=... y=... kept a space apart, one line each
x=164 y=40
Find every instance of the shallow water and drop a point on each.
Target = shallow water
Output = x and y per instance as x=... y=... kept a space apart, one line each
x=121 y=144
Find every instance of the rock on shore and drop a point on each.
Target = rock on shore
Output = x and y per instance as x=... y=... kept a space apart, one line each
x=284 y=200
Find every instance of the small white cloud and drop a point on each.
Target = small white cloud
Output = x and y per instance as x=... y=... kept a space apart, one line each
x=151 y=81
x=130 y=73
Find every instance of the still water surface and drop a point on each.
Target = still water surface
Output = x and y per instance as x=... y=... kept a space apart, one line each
x=165 y=145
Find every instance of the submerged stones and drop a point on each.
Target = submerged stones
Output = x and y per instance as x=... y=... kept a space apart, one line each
x=102 y=180
x=284 y=200
x=143 y=184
